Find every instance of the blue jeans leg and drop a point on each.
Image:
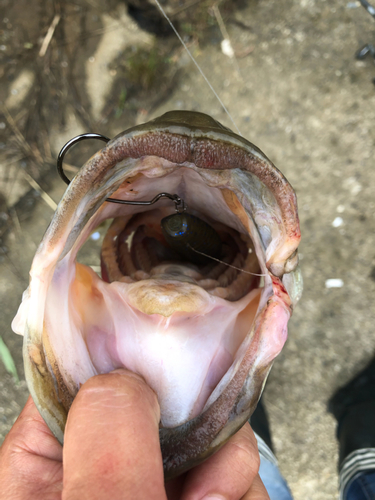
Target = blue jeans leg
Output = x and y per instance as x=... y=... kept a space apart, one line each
x=362 y=487
x=357 y=475
x=274 y=482
x=269 y=473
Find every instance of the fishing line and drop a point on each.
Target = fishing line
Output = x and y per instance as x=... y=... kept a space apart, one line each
x=197 y=65
x=225 y=263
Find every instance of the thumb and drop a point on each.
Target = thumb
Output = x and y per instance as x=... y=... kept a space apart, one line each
x=111 y=447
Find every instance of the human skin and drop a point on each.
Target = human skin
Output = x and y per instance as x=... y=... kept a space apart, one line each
x=112 y=451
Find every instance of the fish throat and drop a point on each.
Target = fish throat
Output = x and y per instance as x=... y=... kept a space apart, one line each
x=180 y=247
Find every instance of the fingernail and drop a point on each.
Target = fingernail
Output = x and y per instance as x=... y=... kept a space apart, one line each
x=121 y=371
x=128 y=373
x=214 y=497
x=140 y=380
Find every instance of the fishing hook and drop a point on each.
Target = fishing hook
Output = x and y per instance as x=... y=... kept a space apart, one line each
x=180 y=205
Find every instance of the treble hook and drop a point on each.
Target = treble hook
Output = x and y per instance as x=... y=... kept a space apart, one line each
x=60 y=158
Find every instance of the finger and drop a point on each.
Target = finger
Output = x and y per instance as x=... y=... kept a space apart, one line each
x=111 y=447
x=257 y=491
x=31 y=434
x=30 y=459
x=229 y=473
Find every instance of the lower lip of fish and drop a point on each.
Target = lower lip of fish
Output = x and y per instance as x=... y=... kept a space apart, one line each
x=77 y=325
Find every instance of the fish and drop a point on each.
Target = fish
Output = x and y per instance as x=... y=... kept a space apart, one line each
x=202 y=333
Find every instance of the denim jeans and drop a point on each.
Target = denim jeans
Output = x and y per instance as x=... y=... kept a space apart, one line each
x=357 y=475
x=274 y=482
x=357 y=479
x=362 y=487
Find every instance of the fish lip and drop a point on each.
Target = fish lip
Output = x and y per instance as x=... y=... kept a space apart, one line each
x=206 y=146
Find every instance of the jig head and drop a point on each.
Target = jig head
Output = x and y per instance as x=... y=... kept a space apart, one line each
x=188 y=235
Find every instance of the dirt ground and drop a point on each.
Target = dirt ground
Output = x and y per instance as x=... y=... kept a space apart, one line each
x=295 y=90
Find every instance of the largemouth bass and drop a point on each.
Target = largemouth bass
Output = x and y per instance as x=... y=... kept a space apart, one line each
x=203 y=335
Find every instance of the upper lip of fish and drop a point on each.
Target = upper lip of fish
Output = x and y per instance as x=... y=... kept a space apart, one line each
x=186 y=153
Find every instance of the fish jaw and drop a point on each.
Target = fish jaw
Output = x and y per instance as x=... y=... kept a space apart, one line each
x=228 y=176
x=229 y=411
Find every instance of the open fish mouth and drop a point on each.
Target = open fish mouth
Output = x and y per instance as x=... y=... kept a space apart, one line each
x=201 y=333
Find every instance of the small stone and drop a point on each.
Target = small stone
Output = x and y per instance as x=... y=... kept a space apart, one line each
x=334 y=283
x=226 y=48
x=338 y=221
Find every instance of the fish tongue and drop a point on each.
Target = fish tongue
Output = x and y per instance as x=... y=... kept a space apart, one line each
x=165 y=296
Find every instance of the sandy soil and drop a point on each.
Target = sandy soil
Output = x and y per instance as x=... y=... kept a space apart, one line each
x=299 y=95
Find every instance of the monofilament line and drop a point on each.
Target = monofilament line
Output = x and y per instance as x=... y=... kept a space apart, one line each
x=225 y=263
x=197 y=65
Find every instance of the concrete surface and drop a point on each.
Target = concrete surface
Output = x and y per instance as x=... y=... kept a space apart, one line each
x=304 y=100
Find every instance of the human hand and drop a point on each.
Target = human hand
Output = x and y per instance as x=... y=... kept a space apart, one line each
x=112 y=452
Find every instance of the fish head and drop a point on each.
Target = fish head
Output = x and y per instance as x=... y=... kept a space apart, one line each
x=202 y=334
